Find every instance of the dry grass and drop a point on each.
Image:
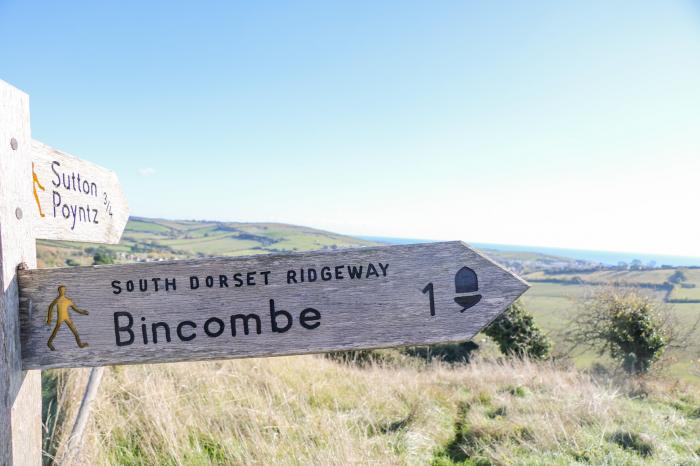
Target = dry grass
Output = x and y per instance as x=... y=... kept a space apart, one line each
x=312 y=410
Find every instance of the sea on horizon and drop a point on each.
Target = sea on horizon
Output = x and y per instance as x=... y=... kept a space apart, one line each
x=603 y=257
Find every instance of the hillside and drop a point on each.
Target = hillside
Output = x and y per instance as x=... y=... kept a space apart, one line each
x=157 y=239
x=146 y=239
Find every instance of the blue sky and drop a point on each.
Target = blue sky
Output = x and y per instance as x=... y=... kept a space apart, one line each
x=563 y=124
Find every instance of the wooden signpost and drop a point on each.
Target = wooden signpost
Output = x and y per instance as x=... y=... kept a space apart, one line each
x=260 y=305
x=75 y=200
x=196 y=309
x=47 y=194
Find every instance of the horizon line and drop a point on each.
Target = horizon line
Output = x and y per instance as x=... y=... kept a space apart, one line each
x=425 y=240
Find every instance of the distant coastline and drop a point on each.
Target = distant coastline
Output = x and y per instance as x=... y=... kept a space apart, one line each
x=604 y=257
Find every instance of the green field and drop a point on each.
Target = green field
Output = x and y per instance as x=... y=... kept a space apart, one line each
x=675 y=288
x=553 y=306
x=636 y=277
x=157 y=239
x=685 y=294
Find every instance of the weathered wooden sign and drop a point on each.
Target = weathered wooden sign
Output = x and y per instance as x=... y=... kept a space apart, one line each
x=259 y=305
x=47 y=194
x=75 y=200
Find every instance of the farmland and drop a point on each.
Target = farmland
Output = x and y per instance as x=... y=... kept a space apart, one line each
x=555 y=297
x=678 y=284
x=156 y=239
x=553 y=306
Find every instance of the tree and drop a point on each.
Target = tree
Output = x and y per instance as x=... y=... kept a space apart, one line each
x=626 y=324
x=677 y=277
x=516 y=334
x=103 y=256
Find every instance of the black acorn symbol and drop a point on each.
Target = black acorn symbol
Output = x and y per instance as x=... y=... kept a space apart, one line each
x=466 y=282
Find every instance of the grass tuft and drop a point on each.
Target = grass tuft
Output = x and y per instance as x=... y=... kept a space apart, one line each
x=633 y=441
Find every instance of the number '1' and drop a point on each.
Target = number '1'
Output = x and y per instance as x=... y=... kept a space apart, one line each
x=431 y=297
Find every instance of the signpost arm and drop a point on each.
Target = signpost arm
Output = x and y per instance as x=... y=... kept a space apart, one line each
x=20 y=391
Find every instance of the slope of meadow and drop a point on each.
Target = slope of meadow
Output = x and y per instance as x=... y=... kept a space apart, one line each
x=311 y=410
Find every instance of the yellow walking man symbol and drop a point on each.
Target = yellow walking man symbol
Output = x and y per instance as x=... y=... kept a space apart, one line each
x=62 y=304
x=35 y=183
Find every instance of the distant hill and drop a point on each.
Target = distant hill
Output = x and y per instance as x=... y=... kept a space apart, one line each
x=520 y=261
x=149 y=239
x=146 y=239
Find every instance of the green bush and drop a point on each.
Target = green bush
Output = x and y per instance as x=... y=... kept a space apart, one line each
x=634 y=333
x=516 y=334
x=102 y=257
x=677 y=277
x=626 y=324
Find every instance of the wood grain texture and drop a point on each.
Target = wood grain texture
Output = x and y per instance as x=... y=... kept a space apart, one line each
x=80 y=201
x=387 y=306
x=20 y=392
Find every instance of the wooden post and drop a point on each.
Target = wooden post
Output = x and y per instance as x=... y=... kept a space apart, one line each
x=75 y=441
x=20 y=391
